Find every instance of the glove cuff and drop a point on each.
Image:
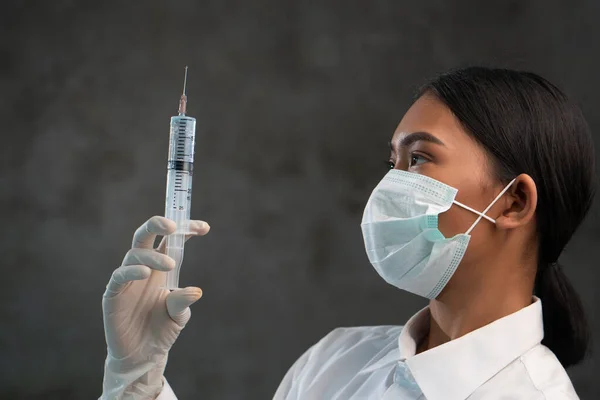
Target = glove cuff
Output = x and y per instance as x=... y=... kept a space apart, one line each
x=142 y=380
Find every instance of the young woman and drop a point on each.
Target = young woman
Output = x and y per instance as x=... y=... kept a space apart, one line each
x=491 y=173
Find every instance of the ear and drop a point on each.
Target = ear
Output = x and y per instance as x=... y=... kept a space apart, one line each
x=519 y=202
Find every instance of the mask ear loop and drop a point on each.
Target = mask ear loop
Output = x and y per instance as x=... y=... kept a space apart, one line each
x=476 y=212
x=482 y=214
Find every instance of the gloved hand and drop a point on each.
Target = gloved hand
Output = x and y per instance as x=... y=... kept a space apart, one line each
x=141 y=319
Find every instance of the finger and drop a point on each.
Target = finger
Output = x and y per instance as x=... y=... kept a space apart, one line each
x=123 y=275
x=179 y=301
x=145 y=235
x=163 y=243
x=199 y=228
x=151 y=258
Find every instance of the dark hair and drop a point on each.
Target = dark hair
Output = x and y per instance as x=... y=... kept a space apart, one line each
x=528 y=125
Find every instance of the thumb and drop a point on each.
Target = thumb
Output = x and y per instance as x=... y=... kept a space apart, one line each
x=179 y=301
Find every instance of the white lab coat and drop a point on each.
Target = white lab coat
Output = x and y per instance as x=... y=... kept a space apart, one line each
x=502 y=360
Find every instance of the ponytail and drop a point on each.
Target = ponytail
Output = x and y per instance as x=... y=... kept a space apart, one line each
x=566 y=330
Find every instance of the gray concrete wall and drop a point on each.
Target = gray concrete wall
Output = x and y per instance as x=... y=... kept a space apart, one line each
x=295 y=103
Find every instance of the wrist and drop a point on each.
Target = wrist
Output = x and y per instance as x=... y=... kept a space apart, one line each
x=130 y=379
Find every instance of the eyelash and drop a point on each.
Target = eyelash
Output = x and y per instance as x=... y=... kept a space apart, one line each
x=390 y=164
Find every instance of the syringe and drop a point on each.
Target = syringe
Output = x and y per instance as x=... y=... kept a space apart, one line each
x=179 y=184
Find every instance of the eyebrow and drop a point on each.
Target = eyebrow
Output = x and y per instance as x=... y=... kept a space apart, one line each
x=415 y=137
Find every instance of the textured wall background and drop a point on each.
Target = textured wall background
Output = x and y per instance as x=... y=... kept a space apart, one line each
x=295 y=102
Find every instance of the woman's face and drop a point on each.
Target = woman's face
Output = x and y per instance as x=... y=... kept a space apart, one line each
x=431 y=141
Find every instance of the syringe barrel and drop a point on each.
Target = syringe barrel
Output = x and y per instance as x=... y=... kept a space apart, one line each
x=178 y=199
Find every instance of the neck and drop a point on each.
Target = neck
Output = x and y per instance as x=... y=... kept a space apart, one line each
x=460 y=310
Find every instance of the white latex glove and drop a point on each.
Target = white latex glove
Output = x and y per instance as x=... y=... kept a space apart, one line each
x=142 y=320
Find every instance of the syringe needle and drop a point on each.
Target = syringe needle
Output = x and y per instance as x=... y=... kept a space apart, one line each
x=183 y=99
x=184 y=80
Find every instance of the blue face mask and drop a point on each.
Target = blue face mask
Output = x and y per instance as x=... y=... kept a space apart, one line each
x=401 y=235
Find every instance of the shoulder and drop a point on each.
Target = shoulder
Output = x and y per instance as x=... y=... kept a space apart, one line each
x=547 y=374
x=358 y=336
x=334 y=360
x=535 y=375
x=346 y=350
x=353 y=345
x=362 y=333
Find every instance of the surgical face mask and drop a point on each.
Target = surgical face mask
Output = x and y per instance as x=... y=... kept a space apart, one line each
x=401 y=235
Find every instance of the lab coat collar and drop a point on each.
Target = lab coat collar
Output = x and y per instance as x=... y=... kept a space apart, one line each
x=453 y=370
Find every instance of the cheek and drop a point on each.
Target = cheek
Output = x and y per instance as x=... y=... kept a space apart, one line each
x=457 y=220
x=451 y=222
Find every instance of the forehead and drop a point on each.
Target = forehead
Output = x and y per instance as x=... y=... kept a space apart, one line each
x=428 y=114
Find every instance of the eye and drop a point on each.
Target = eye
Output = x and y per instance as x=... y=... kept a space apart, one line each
x=415 y=156
x=390 y=164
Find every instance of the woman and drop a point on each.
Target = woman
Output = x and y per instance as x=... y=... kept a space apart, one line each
x=492 y=171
